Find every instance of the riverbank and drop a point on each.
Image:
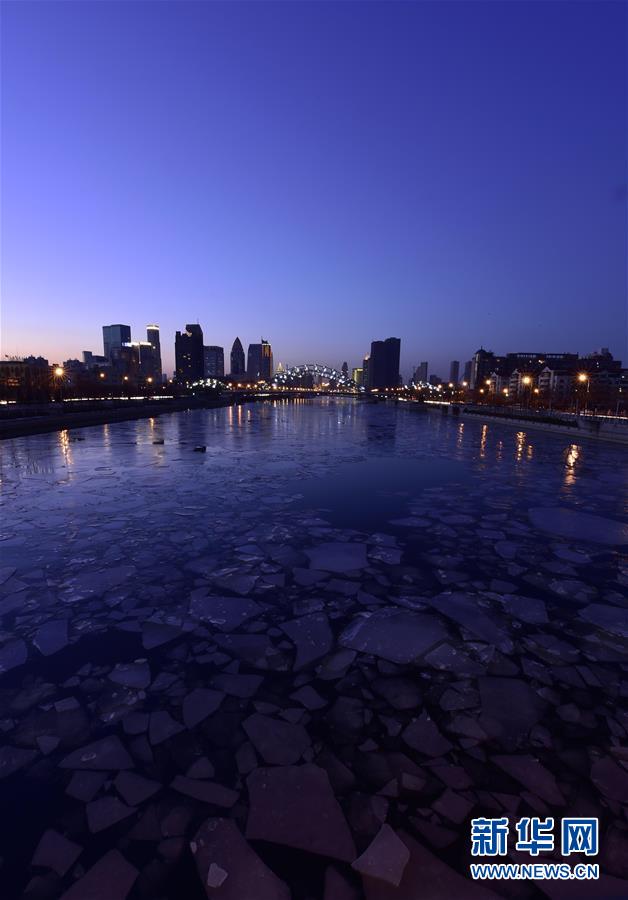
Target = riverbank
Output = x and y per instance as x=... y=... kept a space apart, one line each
x=577 y=427
x=71 y=416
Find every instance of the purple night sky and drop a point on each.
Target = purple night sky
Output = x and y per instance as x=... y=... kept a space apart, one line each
x=319 y=174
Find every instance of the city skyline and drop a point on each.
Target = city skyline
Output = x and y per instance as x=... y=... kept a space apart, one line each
x=470 y=193
x=442 y=368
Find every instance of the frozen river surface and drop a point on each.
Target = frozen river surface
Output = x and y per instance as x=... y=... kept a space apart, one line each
x=298 y=663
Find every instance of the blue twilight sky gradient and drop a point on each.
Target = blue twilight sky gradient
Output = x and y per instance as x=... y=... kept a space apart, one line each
x=321 y=174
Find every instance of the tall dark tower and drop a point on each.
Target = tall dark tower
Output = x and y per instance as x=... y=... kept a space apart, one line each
x=152 y=337
x=260 y=362
x=384 y=363
x=188 y=351
x=238 y=368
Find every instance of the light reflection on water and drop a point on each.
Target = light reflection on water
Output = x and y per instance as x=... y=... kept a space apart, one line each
x=269 y=444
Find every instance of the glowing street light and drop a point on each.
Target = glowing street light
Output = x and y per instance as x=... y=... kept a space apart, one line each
x=526 y=379
x=58 y=373
x=583 y=378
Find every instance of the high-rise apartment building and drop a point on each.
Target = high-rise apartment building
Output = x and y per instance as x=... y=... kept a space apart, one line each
x=454 y=371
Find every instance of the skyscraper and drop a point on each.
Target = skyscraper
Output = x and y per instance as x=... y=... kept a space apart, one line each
x=357 y=376
x=366 y=372
x=154 y=358
x=238 y=369
x=125 y=361
x=482 y=365
x=188 y=351
x=136 y=359
x=384 y=363
x=259 y=362
x=214 y=359
x=454 y=371
x=421 y=373
x=115 y=336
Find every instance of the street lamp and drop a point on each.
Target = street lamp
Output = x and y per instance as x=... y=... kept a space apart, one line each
x=583 y=378
x=58 y=373
x=527 y=381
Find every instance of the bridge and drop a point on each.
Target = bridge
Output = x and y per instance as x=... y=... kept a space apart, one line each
x=315 y=374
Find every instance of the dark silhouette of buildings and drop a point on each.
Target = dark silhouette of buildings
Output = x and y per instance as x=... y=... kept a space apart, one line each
x=454 y=371
x=238 y=368
x=188 y=352
x=25 y=379
x=383 y=365
x=259 y=362
x=125 y=362
x=486 y=364
x=214 y=360
x=93 y=360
